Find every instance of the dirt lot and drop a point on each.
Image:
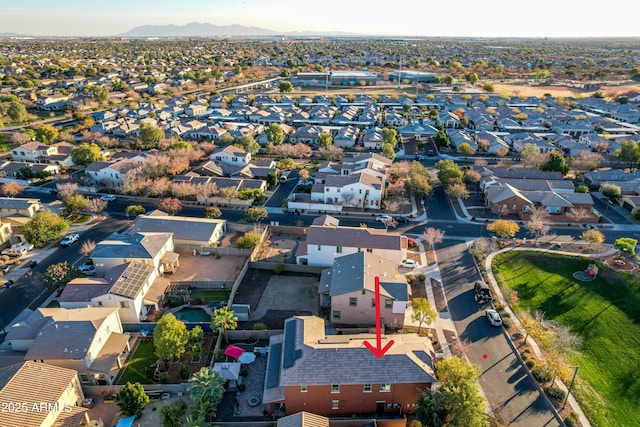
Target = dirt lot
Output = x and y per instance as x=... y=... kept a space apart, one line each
x=559 y=90
x=207 y=267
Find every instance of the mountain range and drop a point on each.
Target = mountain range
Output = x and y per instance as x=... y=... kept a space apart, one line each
x=198 y=29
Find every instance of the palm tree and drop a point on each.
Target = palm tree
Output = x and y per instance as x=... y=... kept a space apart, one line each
x=223 y=320
x=206 y=388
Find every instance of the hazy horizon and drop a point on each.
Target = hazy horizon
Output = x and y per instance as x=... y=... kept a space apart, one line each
x=545 y=18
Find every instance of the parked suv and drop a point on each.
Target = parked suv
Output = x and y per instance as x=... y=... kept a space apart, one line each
x=483 y=293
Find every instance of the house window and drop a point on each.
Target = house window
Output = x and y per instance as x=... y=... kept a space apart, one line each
x=367 y=388
x=234 y=159
x=553 y=209
x=335 y=404
x=361 y=191
x=504 y=207
x=385 y=387
x=514 y=207
x=525 y=208
x=353 y=302
x=336 y=314
x=124 y=304
x=84 y=378
x=370 y=250
x=319 y=247
x=335 y=388
x=339 y=249
x=303 y=389
x=359 y=249
x=388 y=303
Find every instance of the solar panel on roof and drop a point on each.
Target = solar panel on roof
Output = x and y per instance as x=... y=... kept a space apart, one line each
x=273 y=366
x=289 y=344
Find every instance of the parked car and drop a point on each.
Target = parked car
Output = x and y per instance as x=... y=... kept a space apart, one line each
x=22 y=245
x=108 y=197
x=14 y=253
x=5 y=268
x=431 y=153
x=384 y=218
x=69 y=239
x=88 y=269
x=404 y=219
x=493 y=317
x=483 y=293
x=409 y=263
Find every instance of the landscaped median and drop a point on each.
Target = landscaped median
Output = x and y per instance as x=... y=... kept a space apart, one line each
x=604 y=313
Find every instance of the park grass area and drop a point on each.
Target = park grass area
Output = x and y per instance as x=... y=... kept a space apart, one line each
x=210 y=294
x=605 y=312
x=139 y=367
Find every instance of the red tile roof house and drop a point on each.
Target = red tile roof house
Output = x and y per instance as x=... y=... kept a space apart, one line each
x=338 y=376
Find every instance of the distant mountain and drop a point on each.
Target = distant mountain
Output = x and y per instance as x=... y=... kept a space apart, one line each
x=11 y=35
x=198 y=29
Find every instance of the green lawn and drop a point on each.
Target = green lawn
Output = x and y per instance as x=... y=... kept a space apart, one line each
x=136 y=370
x=211 y=294
x=606 y=312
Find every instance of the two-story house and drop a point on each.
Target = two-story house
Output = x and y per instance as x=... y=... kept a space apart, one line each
x=348 y=288
x=337 y=375
x=232 y=156
x=111 y=174
x=358 y=190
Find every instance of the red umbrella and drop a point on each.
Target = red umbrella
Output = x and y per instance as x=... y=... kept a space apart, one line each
x=233 y=351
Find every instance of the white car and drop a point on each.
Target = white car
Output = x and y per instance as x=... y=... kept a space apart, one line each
x=108 y=197
x=493 y=317
x=384 y=218
x=69 y=239
x=14 y=253
x=22 y=245
x=409 y=263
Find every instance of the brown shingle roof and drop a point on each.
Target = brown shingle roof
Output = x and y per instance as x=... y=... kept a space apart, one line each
x=355 y=237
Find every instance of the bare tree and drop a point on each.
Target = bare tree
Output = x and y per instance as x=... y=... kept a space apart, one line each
x=20 y=138
x=304 y=174
x=87 y=247
x=183 y=190
x=433 y=236
x=536 y=224
x=579 y=214
x=67 y=190
x=389 y=223
x=12 y=189
x=96 y=205
x=347 y=198
x=393 y=206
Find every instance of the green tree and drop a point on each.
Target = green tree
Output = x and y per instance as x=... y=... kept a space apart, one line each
x=556 y=163
x=171 y=415
x=247 y=143
x=611 y=191
x=75 y=204
x=17 y=112
x=56 y=276
x=170 y=205
x=285 y=87
x=388 y=151
x=456 y=189
x=134 y=210
x=255 y=214
x=472 y=78
x=504 y=228
x=223 y=320
x=442 y=139
x=170 y=337
x=249 y=240
x=488 y=87
x=272 y=179
x=390 y=136
x=212 y=212
x=325 y=139
x=417 y=182
x=466 y=149
x=529 y=150
x=592 y=236
x=99 y=93
x=422 y=312
x=464 y=404
x=150 y=134
x=85 y=154
x=44 y=227
x=46 y=134
x=207 y=389
x=431 y=408
x=275 y=134
x=629 y=151
x=132 y=399
x=448 y=170
x=626 y=245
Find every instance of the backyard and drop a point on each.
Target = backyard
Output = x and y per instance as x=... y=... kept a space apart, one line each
x=208 y=295
x=605 y=312
x=139 y=366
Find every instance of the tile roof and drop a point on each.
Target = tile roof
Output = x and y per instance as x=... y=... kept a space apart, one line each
x=373 y=238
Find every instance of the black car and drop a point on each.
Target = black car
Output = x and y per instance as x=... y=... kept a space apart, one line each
x=483 y=293
x=403 y=219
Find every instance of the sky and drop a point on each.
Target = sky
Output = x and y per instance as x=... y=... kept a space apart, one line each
x=464 y=18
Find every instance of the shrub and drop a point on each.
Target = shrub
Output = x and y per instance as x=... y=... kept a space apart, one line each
x=518 y=336
x=421 y=277
x=259 y=326
x=163 y=378
x=506 y=314
x=196 y=301
x=572 y=419
x=185 y=372
x=278 y=268
x=244 y=372
x=530 y=363
x=500 y=307
x=242 y=387
x=542 y=373
x=506 y=323
x=556 y=393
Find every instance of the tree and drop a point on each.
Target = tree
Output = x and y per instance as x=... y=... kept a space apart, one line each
x=388 y=151
x=611 y=191
x=12 y=189
x=171 y=415
x=170 y=338
x=87 y=247
x=556 y=163
x=448 y=170
x=456 y=189
x=250 y=240
x=133 y=211
x=170 y=205
x=99 y=93
x=536 y=226
x=529 y=150
x=390 y=136
x=465 y=406
x=466 y=149
x=132 y=399
x=255 y=214
x=626 y=245
x=325 y=139
x=85 y=154
x=488 y=87
x=96 y=205
x=150 y=133
x=629 y=151
x=272 y=179
x=331 y=153
x=592 y=236
x=275 y=134
x=472 y=78
x=223 y=320
x=207 y=389
x=248 y=144
x=285 y=87
x=75 y=204
x=433 y=236
x=504 y=228
x=17 y=111
x=56 y=276
x=430 y=408
x=46 y=134
x=212 y=212
x=422 y=312
x=44 y=227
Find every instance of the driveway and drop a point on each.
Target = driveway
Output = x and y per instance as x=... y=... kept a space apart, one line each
x=283 y=191
x=504 y=380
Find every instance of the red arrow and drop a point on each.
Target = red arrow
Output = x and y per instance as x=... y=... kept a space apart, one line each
x=378 y=350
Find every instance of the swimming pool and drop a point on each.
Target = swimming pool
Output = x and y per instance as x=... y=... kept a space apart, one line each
x=193 y=314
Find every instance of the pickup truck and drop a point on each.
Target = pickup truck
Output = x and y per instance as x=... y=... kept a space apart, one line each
x=22 y=245
x=15 y=253
x=483 y=292
x=69 y=239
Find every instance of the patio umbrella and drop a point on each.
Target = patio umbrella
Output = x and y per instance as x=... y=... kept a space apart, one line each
x=247 y=357
x=233 y=351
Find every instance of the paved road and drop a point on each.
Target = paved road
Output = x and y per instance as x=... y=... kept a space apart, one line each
x=504 y=380
x=283 y=190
